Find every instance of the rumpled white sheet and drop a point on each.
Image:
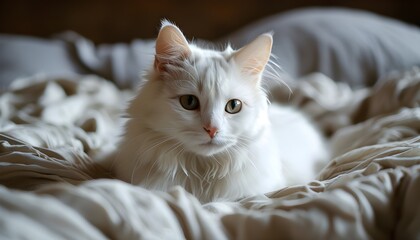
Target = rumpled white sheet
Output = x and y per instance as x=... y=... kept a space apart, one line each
x=51 y=189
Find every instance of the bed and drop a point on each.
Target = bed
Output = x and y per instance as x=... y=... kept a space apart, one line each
x=365 y=99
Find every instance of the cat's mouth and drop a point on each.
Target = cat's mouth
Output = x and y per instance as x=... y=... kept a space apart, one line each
x=215 y=142
x=211 y=147
x=211 y=144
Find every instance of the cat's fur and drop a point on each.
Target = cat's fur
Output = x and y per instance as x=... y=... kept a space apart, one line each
x=259 y=149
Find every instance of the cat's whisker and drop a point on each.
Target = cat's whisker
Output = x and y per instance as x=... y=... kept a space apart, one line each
x=249 y=157
x=134 y=139
x=272 y=75
x=151 y=168
x=194 y=170
x=229 y=155
x=178 y=160
x=173 y=148
x=180 y=152
x=158 y=142
x=148 y=173
x=275 y=72
x=184 y=169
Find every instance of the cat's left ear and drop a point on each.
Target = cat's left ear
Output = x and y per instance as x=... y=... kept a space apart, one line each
x=253 y=58
x=171 y=46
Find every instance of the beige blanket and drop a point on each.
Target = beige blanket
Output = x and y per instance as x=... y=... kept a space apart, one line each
x=51 y=129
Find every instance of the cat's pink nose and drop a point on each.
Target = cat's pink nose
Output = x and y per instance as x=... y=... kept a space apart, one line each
x=212 y=131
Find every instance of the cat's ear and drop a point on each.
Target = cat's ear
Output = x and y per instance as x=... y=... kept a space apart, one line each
x=252 y=58
x=171 y=46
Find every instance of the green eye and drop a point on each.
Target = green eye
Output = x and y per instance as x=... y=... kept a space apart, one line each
x=189 y=102
x=233 y=106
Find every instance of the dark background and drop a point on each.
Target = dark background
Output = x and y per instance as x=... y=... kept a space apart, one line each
x=106 y=21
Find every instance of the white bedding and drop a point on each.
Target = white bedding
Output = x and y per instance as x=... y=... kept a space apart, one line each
x=51 y=129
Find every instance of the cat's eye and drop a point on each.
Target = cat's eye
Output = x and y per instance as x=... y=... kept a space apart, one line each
x=233 y=106
x=189 y=102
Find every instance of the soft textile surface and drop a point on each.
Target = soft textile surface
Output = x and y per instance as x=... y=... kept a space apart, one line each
x=347 y=45
x=51 y=129
x=352 y=46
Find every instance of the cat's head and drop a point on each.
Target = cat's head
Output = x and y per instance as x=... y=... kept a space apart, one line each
x=208 y=101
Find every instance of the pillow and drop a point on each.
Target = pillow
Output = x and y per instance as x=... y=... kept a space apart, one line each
x=70 y=54
x=347 y=45
x=25 y=56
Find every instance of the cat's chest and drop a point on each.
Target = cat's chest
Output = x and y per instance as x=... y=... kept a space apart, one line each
x=225 y=177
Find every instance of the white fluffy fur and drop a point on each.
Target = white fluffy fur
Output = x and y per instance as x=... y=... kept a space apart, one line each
x=260 y=149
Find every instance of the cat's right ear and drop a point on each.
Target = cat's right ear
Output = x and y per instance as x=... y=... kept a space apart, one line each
x=171 y=46
x=253 y=58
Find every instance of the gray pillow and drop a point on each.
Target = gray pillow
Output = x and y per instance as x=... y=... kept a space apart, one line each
x=25 y=56
x=347 y=45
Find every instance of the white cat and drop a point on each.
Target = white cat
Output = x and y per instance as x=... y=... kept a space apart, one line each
x=203 y=121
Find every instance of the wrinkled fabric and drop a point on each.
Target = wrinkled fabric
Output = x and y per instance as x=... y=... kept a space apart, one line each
x=53 y=129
